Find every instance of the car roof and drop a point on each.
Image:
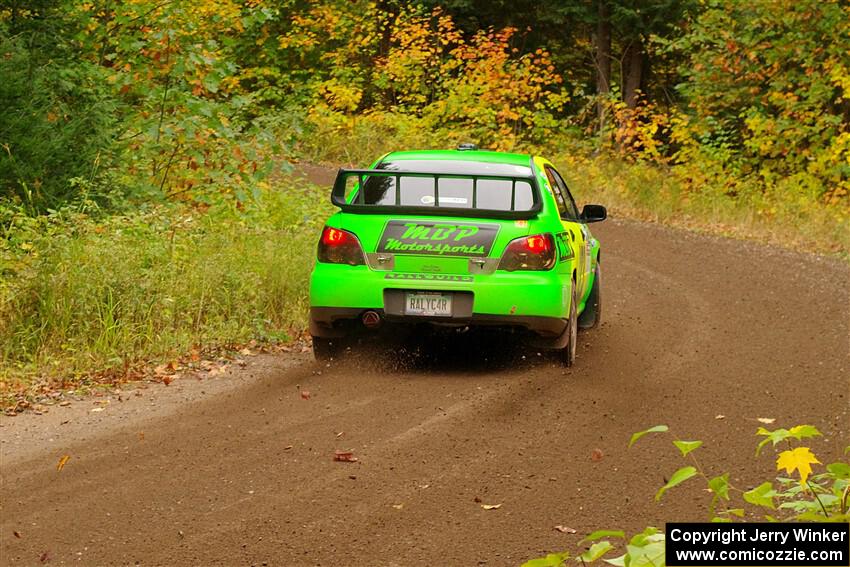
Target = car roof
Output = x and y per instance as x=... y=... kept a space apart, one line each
x=483 y=156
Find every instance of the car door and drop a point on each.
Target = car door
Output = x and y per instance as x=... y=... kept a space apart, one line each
x=574 y=230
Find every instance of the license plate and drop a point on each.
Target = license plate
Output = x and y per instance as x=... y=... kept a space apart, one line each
x=431 y=304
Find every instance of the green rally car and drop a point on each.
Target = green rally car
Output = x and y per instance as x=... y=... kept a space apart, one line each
x=456 y=238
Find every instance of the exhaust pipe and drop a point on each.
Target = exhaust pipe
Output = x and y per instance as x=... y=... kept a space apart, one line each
x=371 y=319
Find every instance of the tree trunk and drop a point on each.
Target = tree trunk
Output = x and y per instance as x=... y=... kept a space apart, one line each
x=388 y=12
x=633 y=72
x=603 y=57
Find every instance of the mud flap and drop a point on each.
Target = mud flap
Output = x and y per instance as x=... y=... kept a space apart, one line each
x=554 y=343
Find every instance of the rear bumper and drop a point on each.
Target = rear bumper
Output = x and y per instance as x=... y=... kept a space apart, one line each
x=336 y=322
x=520 y=294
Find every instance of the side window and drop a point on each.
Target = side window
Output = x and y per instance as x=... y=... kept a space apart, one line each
x=570 y=211
x=559 y=197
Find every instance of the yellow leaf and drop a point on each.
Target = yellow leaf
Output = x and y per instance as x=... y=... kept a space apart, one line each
x=800 y=459
x=62 y=462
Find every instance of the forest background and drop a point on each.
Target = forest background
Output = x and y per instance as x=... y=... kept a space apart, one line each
x=147 y=203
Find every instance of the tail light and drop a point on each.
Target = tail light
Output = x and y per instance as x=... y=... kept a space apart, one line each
x=340 y=247
x=535 y=252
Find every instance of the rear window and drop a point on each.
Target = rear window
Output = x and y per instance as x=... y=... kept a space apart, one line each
x=491 y=194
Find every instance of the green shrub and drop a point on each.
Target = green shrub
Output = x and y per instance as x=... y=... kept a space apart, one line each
x=810 y=497
x=57 y=126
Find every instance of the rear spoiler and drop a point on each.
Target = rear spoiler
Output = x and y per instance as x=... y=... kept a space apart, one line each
x=357 y=204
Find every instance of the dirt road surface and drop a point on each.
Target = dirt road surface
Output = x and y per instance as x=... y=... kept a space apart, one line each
x=695 y=328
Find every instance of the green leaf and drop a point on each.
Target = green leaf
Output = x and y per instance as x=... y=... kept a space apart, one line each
x=648 y=535
x=596 y=551
x=687 y=446
x=639 y=434
x=678 y=477
x=775 y=436
x=721 y=520
x=802 y=431
x=551 y=560
x=211 y=82
x=649 y=555
x=798 y=432
x=598 y=534
x=840 y=470
x=617 y=561
x=761 y=495
x=800 y=506
x=720 y=485
x=819 y=517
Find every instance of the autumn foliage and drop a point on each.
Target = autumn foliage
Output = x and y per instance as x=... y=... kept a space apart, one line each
x=195 y=100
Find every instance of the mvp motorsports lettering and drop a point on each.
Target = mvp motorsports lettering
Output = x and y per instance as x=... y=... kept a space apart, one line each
x=438 y=238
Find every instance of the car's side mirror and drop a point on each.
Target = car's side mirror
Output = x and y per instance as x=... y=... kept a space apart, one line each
x=593 y=213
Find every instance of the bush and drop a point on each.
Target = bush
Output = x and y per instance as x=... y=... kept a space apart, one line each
x=767 y=89
x=56 y=128
x=819 y=497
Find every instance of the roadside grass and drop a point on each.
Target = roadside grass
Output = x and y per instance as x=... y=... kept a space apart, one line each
x=650 y=193
x=88 y=297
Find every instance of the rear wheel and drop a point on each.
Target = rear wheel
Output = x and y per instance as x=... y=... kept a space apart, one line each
x=568 y=353
x=592 y=314
x=327 y=349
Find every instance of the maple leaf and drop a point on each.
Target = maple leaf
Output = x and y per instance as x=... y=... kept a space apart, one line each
x=800 y=459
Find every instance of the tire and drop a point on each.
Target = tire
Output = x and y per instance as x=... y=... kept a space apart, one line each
x=568 y=353
x=327 y=349
x=592 y=314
